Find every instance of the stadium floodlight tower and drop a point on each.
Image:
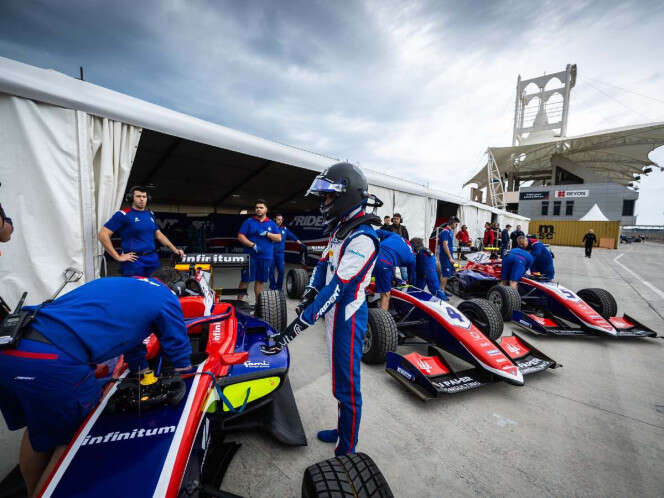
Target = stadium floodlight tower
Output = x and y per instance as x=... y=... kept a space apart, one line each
x=542 y=106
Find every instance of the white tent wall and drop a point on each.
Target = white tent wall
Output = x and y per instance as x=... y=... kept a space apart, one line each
x=430 y=216
x=385 y=195
x=412 y=209
x=112 y=151
x=474 y=218
x=505 y=219
x=40 y=174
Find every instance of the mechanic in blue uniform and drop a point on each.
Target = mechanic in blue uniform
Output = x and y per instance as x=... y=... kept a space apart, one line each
x=138 y=230
x=445 y=252
x=542 y=259
x=336 y=290
x=258 y=235
x=426 y=274
x=280 y=253
x=394 y=252
x=516 y=263
x=48 y=382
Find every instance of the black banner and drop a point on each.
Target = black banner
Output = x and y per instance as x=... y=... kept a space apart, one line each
x=533 y=196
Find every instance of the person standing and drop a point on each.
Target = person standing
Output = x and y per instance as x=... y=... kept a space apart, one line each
x=336 y=291
x=278 y=261
x=47 y=383
x=504 y=240
x=589 y=240
x=445 y=253
x=489 y=237
x=138 y=230
x=258 y=235
x=398 y=228
x=516 y=233
x=387 y=223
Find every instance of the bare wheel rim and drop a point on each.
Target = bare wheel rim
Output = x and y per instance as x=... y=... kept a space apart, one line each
x=368 y=339
x=496 y=298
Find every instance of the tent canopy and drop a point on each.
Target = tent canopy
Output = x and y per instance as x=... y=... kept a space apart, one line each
x=617 y=154
x=594 y=214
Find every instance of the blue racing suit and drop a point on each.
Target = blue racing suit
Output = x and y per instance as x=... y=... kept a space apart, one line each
x=394 y=251
x=137 y=230
x=341 y=276
x=279 y=255
x=542 y=260
x=49 y=384
x=426 y=274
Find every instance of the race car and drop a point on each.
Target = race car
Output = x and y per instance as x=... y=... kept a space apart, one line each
x=546 y=307
x=163 y=433
x=472 y=332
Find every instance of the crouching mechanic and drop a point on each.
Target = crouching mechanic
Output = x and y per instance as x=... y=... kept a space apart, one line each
x=336 y=291
x=48 y=382
x=516 y=263
x=394 y=252
x=542 y=259
x=426 y=274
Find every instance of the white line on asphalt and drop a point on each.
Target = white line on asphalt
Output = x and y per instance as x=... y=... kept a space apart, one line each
x=645 y=282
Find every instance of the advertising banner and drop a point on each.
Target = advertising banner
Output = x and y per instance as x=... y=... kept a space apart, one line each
x=533 y=196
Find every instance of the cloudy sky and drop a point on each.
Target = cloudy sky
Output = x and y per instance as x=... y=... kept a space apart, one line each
x=415 y=89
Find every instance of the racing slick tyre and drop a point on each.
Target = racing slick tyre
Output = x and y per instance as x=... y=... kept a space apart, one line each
x=382 y=336
x=271 y=308
x=600 y=300
x=505 y=299
x=453 y=286
x=484 y=315
x=296 y=281
x=355 y=475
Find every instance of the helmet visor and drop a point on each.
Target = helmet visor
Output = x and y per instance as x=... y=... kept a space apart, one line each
x=324 y=186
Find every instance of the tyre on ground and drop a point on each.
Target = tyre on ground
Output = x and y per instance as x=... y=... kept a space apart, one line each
x=296 y=281
x=355 y=475
x=381 y=336
x=600 y=300
x=484 y=315
x=271 y=308
x=505 y=299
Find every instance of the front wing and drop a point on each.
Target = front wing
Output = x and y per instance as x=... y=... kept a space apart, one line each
x=624 y=326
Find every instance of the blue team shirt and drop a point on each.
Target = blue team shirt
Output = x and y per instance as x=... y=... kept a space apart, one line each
x=112 y=316
x=446 y=234
x=136 y=228
x=542 y=260
x=522 y=256
x=280 y=247
x=251 y=228
x=394 y=249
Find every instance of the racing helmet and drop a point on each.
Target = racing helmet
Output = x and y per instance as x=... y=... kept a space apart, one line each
x=348 y=185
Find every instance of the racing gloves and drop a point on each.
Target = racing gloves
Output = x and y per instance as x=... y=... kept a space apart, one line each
x=283 y=338
x=308 y=297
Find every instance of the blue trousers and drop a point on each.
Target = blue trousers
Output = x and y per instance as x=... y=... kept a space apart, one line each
x=144 y=266
x=278 y=265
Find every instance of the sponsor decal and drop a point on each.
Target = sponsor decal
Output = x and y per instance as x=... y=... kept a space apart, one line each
x=20 y=377
x=215 y=258
x=533 y=196
x=493 y=352
x=120 y=436
x=475 y=335
x=456 y=385
x=256 y=364
x=405 y=373
x=216 y=331
x=501 y=360
x=533 y=365
x=575 y=194
x=357 y=253
x=524 y=322
x=513 y=349
x=423 y=365
x=332 y=299
x=306 y=221
x=545 y=232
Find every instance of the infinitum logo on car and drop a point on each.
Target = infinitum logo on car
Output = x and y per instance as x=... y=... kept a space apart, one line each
x=120 y=436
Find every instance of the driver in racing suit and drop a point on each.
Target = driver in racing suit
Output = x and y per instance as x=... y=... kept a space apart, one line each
x=426 y=274
x=336 y=291
x=542 y=259
x=48 y=383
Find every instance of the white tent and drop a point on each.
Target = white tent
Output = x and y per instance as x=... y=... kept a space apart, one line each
x=594 y=214
x=70 y=147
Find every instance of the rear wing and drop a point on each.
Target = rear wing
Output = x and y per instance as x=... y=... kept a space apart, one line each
x=207 y=262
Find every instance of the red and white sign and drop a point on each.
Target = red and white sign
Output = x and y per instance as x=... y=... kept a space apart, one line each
x=571 y=194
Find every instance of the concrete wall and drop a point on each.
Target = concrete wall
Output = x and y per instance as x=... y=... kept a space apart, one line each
x=608 y=196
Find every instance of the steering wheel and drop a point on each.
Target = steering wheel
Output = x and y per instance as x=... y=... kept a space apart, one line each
x=131 y=396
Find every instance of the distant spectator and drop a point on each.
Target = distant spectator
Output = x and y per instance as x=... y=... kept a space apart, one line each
x=398 y=228
x=387 y=223
x=463 y=236
x=516 y=233
x=504 y=240
x=489 y=237
x=589 y=240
